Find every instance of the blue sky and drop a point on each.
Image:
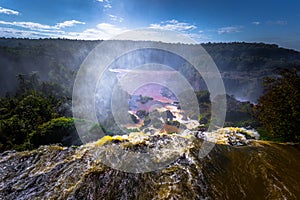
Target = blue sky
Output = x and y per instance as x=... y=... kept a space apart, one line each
x=266 y=21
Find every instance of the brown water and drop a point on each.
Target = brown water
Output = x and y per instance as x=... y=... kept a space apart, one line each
x=261 y=170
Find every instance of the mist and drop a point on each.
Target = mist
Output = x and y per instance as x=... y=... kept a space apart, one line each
x=242 y=65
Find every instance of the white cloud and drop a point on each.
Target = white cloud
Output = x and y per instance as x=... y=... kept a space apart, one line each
x=184 y=28
x=101 y=32
x=8 y=11
x=110 y=29
x=115 y=18
x=229 y=29
x=107 y=4
x=68 y=23
x=29 y=25
x=12 y=32
x=42 y=27
x=256 y=23
x=174 y=25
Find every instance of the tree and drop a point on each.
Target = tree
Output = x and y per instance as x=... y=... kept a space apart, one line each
x=278 y=109
x=59 y=130
x=20 y=116
x=34 y=104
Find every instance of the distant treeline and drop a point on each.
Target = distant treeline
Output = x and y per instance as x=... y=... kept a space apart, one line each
x=242 y=65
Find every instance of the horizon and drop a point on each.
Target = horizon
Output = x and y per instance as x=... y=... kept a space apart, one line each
x=204 y=21
x=100 y=40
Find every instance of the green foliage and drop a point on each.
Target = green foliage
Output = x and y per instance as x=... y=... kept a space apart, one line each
x=96 y=128
x=21 y=115
x=264 y=134
x=238 y=113
x=131 y=130
x=279 y=108
x=53 y=131
x=251 y=57
x=33 y=105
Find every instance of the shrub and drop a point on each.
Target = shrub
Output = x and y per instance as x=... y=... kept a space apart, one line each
x=59 y=130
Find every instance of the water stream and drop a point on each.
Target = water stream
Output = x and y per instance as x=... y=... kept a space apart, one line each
x=259 y=170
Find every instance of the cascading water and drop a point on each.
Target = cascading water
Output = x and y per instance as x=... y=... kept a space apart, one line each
x=258 y=170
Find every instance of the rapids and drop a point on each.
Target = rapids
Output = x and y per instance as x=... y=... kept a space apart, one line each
x=258 y=170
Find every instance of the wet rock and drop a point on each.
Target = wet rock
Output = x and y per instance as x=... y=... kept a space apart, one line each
x=53 y=172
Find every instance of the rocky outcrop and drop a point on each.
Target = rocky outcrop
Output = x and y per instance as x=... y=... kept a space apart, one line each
x=260 y=171
x=233 y=136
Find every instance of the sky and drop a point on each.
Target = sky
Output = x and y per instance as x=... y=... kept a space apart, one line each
x=268 y=21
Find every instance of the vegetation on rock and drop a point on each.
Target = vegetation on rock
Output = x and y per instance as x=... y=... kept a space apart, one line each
x=32 y=116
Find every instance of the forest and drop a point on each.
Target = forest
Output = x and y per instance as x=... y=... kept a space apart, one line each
x=37 y=78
